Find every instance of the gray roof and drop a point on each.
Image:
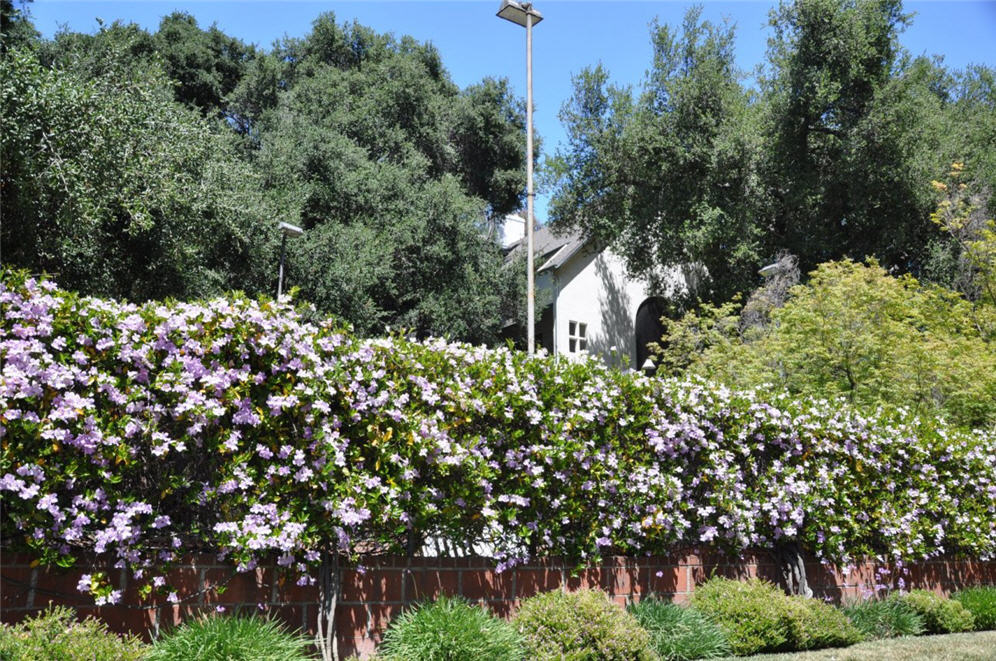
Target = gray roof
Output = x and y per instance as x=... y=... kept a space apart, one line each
x=552 y=247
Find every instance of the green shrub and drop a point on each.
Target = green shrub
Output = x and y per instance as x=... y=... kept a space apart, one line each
x=450 y=629
x=888 y=618
x=55 y=635
x=939 y=615
x=751 y=613
x=680 y=633
x=581 y=626
x=815 y=625
x=231 y=638
x=981 y=603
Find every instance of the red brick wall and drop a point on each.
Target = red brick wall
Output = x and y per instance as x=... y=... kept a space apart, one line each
x=371 y=597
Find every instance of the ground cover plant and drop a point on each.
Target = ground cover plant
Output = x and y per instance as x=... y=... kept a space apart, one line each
x=450 y=629
x=679 y=633
x=940 y=615
x=981 y=603
x=884 y=618
x=56 y=635
x=136 y=432
x=581 y=626
x=230 y=638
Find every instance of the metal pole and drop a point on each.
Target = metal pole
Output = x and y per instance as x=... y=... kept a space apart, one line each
x=530 y=221
x=280 y=278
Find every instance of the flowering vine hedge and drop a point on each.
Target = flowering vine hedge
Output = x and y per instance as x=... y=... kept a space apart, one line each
x=142 y=432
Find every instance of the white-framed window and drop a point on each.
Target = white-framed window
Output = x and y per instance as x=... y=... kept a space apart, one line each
x=577 y=337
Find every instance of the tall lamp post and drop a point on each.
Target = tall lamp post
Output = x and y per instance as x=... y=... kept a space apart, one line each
x=522 y=13
x=286 y=229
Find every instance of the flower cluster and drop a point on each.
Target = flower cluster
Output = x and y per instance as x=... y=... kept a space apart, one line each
x=140 y=433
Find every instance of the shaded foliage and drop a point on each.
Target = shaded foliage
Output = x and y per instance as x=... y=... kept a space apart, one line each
x=148 y=165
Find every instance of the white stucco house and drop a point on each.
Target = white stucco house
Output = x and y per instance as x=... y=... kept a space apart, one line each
x=591 y=304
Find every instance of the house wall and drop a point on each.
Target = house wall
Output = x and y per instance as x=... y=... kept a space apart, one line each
x=593 y=288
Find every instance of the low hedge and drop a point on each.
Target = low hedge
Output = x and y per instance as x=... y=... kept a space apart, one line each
x=758 y=617
x=56 y=635
x=137 y=432
x=581 y=626
x=940 y=615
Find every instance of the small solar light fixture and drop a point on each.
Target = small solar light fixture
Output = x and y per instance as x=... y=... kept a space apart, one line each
x=648 y=367
x=522 y=13
x=286 y=229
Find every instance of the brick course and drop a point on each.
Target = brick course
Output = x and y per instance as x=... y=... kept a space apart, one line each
x=372 y=596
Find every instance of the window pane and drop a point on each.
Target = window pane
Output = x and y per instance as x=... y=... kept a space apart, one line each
x=582 y=330
x=574 y=345
x=572 y=328
x=583 y=344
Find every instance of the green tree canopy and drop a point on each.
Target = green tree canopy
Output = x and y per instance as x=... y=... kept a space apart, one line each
x=830 y=157
x=167 y=158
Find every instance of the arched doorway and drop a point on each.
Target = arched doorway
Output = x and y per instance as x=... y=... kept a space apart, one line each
x=648 y=326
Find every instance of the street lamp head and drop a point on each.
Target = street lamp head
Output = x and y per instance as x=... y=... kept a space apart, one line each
x=514 y=11
x=770 y=270
x=290 y=230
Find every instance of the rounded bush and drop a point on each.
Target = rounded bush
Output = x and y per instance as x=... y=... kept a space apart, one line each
x=56 y=635
x=939 y=615
x=450 y=629
x=981 y=603
x=886 y=618
x=814 y=625
x=581 y=626
x=680 y=633
x=231 y=638
x=751 y=613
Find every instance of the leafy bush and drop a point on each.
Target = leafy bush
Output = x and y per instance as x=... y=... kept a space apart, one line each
x=759 y=617
x=753 y=613
x=981 y=603
x=815 y=625
x=55 y=635
x=680 y=633
x=223 y=419
x=939 y=615
x=450 y=629
x=853 y=330
x=230 y=638
x=885 y=618
x=581 y=626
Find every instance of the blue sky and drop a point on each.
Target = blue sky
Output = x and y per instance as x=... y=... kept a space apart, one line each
x=474 y=43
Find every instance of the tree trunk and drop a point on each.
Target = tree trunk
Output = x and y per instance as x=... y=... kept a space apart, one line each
x=330 y=586
x=793 y=568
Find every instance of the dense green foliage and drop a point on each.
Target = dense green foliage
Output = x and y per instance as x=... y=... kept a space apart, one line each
x=852 y=330
x=450 y=630
x=831 y=156
x=940 y=615
x=678 y=633
x=981 y=603
x=55 y=635
x=230 y=638
x=884 y=618
x=581 y=626
x=815 y=624
x=146 y=165
x=751 y=613
x=237 y=424
x=758 y=617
